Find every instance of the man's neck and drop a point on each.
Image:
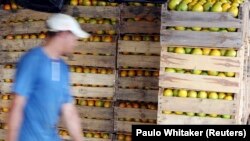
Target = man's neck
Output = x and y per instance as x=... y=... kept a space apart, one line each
x=52 y=52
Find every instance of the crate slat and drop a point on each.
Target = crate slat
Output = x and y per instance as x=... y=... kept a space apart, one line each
x=135 y=113
x=95 y=79
x=68 y=138
x=197 y=105
x=12 y=57
x=91 y=60
x=140 y=11
x=146 y=27
x=187 y=61
x=137 y=95
x=185 y=120
x=5 y=87
x=138 y=61
x=3 y=117
x=3 y=134
x=151 y=82
x=214 y=39
x=199 y=82
x=94 y=11
x=23 y=27
x=19 y=44
x=5 y=103
x=200 y=19
x=80 y=91
x=95 y=112
x=23 y=14
x=98 y=125
x=96 y=48
x=147 y=47
x=126 y=126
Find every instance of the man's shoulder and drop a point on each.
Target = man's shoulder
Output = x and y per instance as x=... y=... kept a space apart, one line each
x=31 y=55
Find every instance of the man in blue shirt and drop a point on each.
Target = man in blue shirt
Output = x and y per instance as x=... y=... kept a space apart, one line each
x=41 y=88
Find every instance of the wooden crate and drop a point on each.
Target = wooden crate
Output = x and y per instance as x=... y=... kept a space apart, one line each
x=201 y=83
x=141 y=12
x=19 y=45
x=95 y=125
x=203 y=19
x=95 y=112
x=137 y=95
x=138 y=47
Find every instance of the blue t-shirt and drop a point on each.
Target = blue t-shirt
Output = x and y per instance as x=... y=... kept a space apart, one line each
x=44 y=83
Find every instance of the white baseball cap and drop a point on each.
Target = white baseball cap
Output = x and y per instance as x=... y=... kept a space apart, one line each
x=62 y=22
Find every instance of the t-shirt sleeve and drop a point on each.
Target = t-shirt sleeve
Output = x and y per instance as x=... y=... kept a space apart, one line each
x=67 y=94
x=25 y=75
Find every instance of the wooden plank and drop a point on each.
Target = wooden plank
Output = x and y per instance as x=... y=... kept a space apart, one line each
x=126 y=126
x=137 y=95
x=135 y=113
x=206 y=39
x=146 y=47
x=198 y=19
x=96 y=48
x=11 y=57
x=94 y=79
x=5 y=87
x=136 y=61
x=18 y=44
x=94 y=125
x=23 y=27
x=80 y=91
x=91 y=60
x=68 y=138
x=7 y=73
x=98 y=125
x=188 y=120
x=3 y=117
x=94 y=11
x=140 y=12
x=197 y=105
x=23 y=14
x=95 y=27
x=3 y=134
x=199 y=82
x=187 y=61
x=95 y=112
x=139 y=82
x=5 y=103
x=146 y=27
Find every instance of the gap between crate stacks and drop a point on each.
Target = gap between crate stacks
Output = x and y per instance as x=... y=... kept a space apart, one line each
x=171 y=80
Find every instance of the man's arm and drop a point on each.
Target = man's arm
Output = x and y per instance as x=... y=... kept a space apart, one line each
x=15 y=117
x=72 y=121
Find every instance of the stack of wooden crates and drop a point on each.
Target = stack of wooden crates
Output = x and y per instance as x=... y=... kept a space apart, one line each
x=92 y=65
x=197 y=86
x=138 y=67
